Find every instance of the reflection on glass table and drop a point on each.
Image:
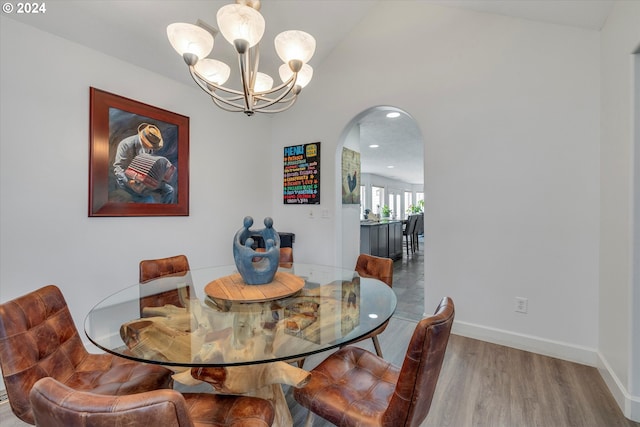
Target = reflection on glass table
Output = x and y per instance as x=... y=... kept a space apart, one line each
x=334 y=307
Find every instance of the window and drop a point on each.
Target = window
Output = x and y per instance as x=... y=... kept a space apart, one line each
x=419 y=197
x=398 y=208
x=408 y=201
x=377 y=199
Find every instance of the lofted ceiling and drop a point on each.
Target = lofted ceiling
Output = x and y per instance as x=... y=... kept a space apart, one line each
x=135 y=31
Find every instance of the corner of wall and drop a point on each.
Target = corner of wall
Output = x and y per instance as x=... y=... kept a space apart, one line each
x=628 y=403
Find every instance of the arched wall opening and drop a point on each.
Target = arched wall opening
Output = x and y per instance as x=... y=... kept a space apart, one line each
x=349 y=210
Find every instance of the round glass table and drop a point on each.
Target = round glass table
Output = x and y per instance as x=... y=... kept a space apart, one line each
x=172 y=320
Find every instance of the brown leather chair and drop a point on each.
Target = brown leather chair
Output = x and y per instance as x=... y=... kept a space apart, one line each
x=56 y=405
x=286 y=256
x=174 y=266
x=355 y=387
x=376 y=267
x=153 y=268
x=381 y=269
x=38 y=338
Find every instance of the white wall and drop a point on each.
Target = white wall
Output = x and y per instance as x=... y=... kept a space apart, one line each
x=509 y=110
x=46 y=236
x=620 y=39
x=510 y=113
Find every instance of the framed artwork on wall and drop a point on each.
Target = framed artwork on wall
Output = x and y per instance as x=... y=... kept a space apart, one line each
x=138 y=158
x=301 y=175
x=350 y=177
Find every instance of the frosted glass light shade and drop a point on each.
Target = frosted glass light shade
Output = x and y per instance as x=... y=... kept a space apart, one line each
x=304 y=75
x=263 y=83
x=213 y=70
x=295 y=44
x=237 y=21
x=189 y=38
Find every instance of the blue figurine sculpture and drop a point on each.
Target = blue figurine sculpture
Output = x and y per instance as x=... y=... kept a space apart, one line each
x=256 y=268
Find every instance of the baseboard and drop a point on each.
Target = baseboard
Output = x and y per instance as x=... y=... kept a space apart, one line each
x=557 y=349
x=629 y=404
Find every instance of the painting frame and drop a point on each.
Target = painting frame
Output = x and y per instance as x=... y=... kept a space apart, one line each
x=107 y=195
x=301 y=174
x=351 y=177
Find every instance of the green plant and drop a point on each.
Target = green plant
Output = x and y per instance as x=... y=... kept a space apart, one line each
x=386 y=211
x=413 y=209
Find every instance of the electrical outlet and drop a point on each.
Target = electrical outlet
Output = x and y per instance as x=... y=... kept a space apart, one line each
x=522 y=305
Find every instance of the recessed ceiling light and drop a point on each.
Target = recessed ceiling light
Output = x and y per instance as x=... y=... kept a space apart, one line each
x=374 y=146
x=393 y=115
x=390 y=167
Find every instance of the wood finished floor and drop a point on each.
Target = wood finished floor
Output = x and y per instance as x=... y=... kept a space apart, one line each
x=481 y=384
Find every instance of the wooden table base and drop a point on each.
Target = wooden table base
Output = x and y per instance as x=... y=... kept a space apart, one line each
x=264 y=380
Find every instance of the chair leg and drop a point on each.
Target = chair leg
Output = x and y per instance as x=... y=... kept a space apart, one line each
x=300 y=363
x=308 y=422
x=376 y=344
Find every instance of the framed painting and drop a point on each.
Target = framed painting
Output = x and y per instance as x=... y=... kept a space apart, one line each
x=301 y=175
x=350 y=177
x=138 y=158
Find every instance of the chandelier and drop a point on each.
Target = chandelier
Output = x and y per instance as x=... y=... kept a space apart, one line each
x=243 y=26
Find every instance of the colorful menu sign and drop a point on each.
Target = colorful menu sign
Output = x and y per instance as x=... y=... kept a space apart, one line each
x=301 y=183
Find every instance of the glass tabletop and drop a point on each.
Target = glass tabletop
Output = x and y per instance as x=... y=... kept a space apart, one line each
x=173 y=321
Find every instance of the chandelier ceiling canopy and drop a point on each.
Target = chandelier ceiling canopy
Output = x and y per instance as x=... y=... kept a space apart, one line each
x=242 y=25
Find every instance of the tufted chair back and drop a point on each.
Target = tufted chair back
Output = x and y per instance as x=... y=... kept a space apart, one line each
x=286 y=257
x=56 y=405
x=420 y=370
x=376 y=267
x=176 y=267
x=38 y=338
x=154 y=268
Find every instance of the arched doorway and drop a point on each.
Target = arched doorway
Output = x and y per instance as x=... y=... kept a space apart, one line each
x=391 y=153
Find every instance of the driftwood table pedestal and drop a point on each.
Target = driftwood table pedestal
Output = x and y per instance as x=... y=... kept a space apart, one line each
x=236 y=337
x=264 y=380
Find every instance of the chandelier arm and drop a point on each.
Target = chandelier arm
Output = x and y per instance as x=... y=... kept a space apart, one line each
x=225 y=101
x=286 y=107
x=279 y=98
x=285 y=100
x=267 y=102
x=202 y=82
x=292 y=81
x=199 y=81
x=224 y=107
